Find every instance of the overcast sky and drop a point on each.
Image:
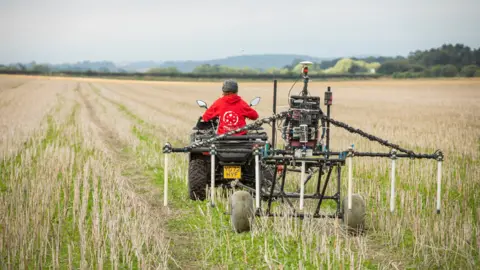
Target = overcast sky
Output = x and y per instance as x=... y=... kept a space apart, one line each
x=66 y=31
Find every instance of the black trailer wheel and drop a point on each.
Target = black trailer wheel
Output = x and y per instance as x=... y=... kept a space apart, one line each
x=197 y=179
x=354 y=218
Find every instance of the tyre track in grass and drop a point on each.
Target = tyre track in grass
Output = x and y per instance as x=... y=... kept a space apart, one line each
x=119 y=148
x=139 y=182
x=173 y=94
x=106 y=134
x=169 y=114
x=147 y=179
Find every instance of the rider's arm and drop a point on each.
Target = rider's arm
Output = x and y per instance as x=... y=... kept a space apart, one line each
x=210 y=112
x=250 y=113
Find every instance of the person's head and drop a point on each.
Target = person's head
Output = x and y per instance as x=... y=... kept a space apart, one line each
x=229 y=87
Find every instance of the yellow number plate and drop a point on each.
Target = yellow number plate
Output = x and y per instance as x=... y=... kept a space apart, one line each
x=232 y=172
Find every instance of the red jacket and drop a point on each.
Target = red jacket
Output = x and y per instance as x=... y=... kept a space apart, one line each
x=232 y=111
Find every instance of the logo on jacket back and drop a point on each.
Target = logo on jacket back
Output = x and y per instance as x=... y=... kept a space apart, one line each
x=230 y=118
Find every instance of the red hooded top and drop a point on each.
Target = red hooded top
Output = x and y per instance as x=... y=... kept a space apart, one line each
x=232 y=111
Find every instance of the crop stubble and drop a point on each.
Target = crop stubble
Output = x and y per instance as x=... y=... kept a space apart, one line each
x=421 y=115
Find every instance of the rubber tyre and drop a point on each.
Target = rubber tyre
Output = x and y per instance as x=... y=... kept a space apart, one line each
x=354 y=219
x=197 y=179
x=242 y=211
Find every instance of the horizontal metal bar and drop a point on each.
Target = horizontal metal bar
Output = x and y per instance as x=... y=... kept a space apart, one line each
x=315 y=160
x=360 y=154
x=300 y=215
x=202 y=150
x=319 y=160
x=310 y=163
x=290 y=152
x=309 y=196
x=237 y=138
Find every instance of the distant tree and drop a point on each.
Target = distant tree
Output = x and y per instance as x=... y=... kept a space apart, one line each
x=390 y=67
x=355 y=68
x=449 y=71
x=458 y=55
x=437 y=71
x=164 y=70
x=329 y=63
x=469 y=71
x=416 y=68
x=40 y=68
x=104 y=70
x=476 y=57
x=22 y=67
x=477 y=73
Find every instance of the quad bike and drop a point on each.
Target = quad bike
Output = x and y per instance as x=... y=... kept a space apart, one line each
x=255 y=164
x=233 y=160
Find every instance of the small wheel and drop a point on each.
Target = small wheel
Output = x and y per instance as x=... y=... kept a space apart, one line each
x=242 y=212
x=197 y=179
x=354 y=218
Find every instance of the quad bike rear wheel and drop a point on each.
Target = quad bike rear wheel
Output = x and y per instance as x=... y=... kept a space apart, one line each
x=354 y=218
x=197 y=179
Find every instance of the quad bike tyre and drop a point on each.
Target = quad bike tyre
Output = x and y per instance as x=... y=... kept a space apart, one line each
x=197 y=179
x=242 y=211
x=354 y=218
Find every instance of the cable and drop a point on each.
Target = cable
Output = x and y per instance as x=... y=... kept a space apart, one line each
x=289 y=91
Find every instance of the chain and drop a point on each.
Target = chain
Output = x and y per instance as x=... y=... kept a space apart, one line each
x=366 y=135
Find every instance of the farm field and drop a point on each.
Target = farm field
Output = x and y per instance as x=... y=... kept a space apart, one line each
x=81 y=178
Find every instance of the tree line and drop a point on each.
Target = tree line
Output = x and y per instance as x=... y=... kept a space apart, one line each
x=446 y=61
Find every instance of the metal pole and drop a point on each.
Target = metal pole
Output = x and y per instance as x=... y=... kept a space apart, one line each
x=165 y=181
x=302 y=185
x=392 y=185
x=350 y=176
x=212 y=174
x=439 y=183
x=274 y=131
x=257 y=179
x=305 y=85
x=328 y=122
x=339 y=177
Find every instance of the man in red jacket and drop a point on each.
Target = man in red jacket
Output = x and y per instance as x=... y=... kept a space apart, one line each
x=231 y=110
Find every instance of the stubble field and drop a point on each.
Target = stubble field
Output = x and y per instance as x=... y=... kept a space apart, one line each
x=81 y=178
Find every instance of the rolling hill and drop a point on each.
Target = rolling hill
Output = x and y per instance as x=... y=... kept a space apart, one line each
x=263 y=61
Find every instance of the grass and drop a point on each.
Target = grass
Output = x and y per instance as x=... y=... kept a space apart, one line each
x=64 y=205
